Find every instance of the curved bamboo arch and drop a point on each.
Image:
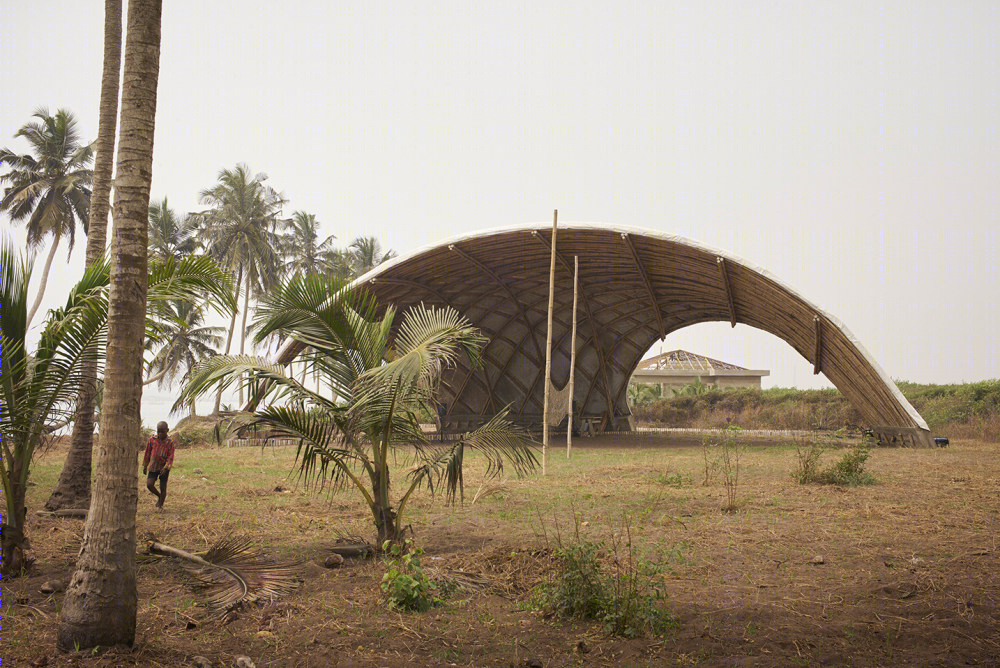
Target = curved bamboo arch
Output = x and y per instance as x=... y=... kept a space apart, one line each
x=636 y=286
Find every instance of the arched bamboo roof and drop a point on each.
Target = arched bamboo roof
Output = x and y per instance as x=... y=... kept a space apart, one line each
x=636 y=286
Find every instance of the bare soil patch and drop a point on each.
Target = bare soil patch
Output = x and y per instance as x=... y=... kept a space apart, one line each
x=908 y=572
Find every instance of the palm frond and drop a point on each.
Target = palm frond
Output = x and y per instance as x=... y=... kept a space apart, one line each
x=256 y=374
x=429 y=340
x=233 y=575
x=196 y=278
x=500 y=440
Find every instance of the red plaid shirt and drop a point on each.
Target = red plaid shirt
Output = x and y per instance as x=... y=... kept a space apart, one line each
x=158 y=454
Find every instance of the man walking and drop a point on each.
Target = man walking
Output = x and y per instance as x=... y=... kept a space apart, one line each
x=159 y=458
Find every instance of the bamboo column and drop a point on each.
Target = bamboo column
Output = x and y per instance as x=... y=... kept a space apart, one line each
x=572 y=359
x=548 y=344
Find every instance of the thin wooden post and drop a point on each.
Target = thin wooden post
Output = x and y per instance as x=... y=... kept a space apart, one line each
x=548 y=344
x=572 y=360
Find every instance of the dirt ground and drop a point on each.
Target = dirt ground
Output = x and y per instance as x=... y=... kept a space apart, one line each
x=908 y=572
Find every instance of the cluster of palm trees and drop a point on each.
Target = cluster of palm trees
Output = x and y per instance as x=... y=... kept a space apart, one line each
x=242 y=228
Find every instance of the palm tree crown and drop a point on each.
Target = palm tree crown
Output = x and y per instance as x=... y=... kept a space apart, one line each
x=241 y=229
x=184 y=342
x=303 y=250
x=51 y=188
x=366 y=254
x=169 y=236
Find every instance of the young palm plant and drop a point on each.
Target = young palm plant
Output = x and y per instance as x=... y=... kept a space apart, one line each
x=38 y=390
x=383 y=376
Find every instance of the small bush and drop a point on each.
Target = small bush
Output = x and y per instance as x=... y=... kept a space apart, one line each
x=849 y=471
x=729 y=464
x=405 y=585
x=578 y=589
x=627 y=603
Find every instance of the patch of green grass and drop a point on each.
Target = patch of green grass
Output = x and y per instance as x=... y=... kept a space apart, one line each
x=676 y=479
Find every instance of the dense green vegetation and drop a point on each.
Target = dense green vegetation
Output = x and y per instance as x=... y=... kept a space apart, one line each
x=970 y=410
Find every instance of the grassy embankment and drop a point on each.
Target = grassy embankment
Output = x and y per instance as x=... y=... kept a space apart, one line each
x=970 y=410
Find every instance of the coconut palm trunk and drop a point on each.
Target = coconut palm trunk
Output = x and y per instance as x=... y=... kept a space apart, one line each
x=99 y=607
x=229 y=341
x=44 y=279
x=73 y=488
x=243 y=329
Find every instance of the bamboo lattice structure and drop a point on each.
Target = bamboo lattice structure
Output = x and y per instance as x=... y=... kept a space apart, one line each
x=635 y=287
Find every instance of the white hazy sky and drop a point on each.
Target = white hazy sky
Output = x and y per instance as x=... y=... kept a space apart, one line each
x=849 y=148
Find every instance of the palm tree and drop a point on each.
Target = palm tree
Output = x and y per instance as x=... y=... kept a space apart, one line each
x=340 y=265
x=38 y=389
x=241 y=231
x=185 y=342
x=74 y=484
x=643 y=393
x=695 y=389
x=385 y=376
x=366 y=254
x=169 y=236
x=50 y=189
x=99 y=607
x=302 y=249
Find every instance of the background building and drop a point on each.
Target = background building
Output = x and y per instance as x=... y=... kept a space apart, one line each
x=679 y=368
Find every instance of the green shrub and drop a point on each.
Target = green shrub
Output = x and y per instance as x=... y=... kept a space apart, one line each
x=849 y=471
x=405 y=585
x=577 y=591
x=627 y=603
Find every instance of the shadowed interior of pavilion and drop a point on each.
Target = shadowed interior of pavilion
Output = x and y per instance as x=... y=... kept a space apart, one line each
x=635 y=287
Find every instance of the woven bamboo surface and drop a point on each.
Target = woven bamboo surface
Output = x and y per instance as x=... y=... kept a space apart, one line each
x=632 y=283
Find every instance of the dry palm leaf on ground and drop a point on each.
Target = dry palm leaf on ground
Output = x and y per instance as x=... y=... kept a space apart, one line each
x=232 y=574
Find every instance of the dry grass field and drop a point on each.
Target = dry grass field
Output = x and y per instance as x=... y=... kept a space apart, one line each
x=909 y=572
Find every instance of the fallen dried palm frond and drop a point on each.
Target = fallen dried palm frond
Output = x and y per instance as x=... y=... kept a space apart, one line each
x=232 y=574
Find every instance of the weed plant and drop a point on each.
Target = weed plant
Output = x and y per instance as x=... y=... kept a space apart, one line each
x=729 y=463
x=676 y=479
x=709 y=458
x=405 y=585
x=627 y=601
x=808 y=455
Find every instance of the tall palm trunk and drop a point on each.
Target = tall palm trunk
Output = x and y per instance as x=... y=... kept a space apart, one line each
x=229 y=339
x=243 y=328
x=43 y=281
x=73 y=488
x=100 y=603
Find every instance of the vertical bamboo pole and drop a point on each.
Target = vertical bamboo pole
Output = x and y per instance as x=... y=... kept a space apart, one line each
x=572 y=359
x=548 y=344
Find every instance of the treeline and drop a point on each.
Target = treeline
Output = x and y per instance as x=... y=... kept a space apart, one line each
x=970 y=410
